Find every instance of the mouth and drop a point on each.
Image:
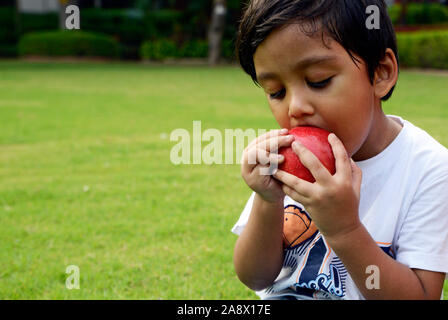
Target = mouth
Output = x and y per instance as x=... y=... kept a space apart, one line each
x=310 y=126
x=306 y=125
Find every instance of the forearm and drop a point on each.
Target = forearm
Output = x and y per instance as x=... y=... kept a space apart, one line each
x=357 y=250
x=258 y=254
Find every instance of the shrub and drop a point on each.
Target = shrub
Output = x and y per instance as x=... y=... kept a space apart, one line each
x=8 y=50
x=425 y=49
x=198 y=48
x=8 y=32
x=159 y=49
x=420 y=13
x=194 y=49
x=162 y=23
x=33 y=22
x=125 y=25
x=68 y=43
x=429 y=13
x=394 y=13
x=131 y=26
x=228 y=49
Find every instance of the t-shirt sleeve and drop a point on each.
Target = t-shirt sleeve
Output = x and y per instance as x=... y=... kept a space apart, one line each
x=422 y=242
x=244 y=217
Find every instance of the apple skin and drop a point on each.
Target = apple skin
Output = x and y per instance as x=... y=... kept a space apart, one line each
x=315 y=140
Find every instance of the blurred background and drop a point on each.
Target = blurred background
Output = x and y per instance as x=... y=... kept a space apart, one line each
x=164 y=29
x=86 y=117
x=139 y=29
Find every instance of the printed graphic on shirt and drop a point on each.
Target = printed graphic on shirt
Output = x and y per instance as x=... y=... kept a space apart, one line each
x=321 y=270
x=297 y=227
x=387 y=248
x=310 y=268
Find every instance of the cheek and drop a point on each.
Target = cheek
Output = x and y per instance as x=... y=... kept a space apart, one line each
x=352 y=123
x=280 y=114
x=354 y=117
x=355 y=130
x=354 y=139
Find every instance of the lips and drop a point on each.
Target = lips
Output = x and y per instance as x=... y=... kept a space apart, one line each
x=307 y=125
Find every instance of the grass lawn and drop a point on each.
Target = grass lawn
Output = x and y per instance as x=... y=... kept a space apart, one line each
x=86 y=177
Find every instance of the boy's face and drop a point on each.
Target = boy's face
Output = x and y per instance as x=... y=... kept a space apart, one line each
x=307 y=83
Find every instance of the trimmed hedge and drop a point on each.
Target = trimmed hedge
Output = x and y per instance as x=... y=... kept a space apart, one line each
x=183 y=23
x=125 y=25
x=420 y=13
x=425 y=49
x=34 y=22
x=163 y=49
x=159 y=50
x=8 y=32
x=68 y=43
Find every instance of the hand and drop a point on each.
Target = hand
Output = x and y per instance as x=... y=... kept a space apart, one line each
x=261 y=155
x=333 y=200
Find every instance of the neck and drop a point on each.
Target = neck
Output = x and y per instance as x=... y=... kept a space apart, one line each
x=382 y=133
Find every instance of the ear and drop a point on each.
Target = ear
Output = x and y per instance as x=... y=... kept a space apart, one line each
x=386 y=74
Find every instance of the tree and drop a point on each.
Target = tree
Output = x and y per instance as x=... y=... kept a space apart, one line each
x=216 y=31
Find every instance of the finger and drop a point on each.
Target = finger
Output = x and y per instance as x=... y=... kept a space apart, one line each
x=274 y=143
x=343 y=163
x=257 y=156
x=269 y=168
x=301 y=186
x=290 y=192
x=311 y=162
x=267 y=135
x=275 y=158
x=260 y=156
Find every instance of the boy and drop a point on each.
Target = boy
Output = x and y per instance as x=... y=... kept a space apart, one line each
x=378 y=227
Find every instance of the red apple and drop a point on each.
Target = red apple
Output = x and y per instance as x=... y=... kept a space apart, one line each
x=315 y=140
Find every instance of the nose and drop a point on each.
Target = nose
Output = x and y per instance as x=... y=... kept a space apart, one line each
x=299 y=106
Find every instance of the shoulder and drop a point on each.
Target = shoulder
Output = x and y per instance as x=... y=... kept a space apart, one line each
x=423 y=150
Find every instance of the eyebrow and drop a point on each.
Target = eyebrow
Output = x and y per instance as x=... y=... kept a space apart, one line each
x=303 y=64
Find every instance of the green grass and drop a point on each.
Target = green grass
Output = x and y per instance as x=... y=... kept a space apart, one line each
x=85 y=177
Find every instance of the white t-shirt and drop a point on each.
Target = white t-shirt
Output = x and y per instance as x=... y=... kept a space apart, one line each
x=403 y=205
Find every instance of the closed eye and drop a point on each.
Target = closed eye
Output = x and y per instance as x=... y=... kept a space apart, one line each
x=320 y=84
x=278 y=94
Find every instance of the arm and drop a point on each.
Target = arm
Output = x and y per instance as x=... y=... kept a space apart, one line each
x=357 y=250
x=258 y=254
x=333 y=203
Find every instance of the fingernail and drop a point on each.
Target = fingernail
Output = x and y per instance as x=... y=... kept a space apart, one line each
x=280 y=157
x=296 y=144
x=284 y=131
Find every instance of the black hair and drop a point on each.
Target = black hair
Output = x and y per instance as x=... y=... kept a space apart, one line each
x=342 y=20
